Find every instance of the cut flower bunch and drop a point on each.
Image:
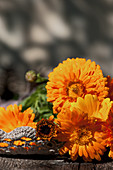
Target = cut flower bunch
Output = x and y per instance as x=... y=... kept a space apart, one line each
x=73 y=106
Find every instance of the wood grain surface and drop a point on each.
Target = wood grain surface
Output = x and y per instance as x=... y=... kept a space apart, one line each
x=9 y=163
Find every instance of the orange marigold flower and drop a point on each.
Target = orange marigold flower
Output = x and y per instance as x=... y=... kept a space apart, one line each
x=46 y=129
x=12 y=117
x=110 y=86
x=80 y=126
x=108 y=132
x=75 y=78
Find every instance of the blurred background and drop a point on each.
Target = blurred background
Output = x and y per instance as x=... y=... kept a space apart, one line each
x=38 y=34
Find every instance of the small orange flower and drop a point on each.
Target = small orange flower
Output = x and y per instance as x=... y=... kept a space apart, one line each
x=46 y=129
x=12 y=117
x=22 y=141
x=110 y=86
x=75 y=78
x=2 y=144
x=80 y=126
x=19 y=143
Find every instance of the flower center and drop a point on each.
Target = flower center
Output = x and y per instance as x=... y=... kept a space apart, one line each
x=45 y=130
x=75 y=89
x=81 y=136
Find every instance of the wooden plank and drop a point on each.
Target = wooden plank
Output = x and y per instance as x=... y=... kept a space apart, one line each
x=7 y=163
x=29 y=164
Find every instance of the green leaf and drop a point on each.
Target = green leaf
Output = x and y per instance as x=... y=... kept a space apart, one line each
x=38 y=102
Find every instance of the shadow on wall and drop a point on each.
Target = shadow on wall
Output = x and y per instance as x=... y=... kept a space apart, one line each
x=40 y=34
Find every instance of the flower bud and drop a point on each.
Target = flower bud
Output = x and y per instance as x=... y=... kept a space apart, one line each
x=31 y=76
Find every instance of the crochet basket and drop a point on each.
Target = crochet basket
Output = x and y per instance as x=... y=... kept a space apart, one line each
x=22 y=140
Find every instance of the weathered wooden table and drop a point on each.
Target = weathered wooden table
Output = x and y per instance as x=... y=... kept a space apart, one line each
x=14 y=163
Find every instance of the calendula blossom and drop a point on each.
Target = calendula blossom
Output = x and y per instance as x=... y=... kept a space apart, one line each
x=46 y=129
x=75 y=78
x=12 y=117
x=81 y=127
x=108 y=132
x=110 y=86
